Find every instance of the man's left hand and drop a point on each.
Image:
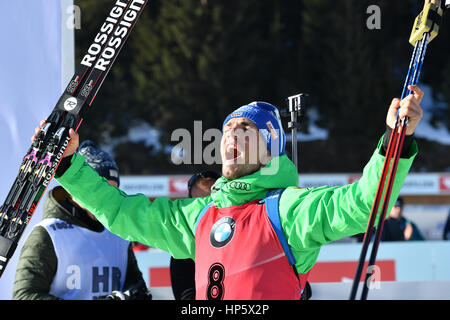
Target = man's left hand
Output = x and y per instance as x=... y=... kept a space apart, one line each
x=409 y=107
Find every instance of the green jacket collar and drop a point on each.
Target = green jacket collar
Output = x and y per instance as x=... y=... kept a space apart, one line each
x=280 y=172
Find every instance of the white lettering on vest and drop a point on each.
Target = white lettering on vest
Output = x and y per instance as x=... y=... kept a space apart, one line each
x=74 y=280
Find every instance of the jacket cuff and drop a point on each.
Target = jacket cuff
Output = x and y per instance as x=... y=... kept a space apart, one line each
x=69 y=164
x=63 y=166
x=407 y=143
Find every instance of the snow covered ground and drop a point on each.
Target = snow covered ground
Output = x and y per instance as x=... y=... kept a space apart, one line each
x=141 y=133
x=425 y=130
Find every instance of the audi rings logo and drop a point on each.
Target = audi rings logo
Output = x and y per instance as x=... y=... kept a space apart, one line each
x=240 y=185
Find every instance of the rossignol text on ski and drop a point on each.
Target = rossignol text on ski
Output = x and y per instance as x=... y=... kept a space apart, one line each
x=43 y=157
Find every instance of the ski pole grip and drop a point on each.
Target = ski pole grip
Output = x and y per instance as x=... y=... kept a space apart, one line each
x=7 y=248
x=428 y=21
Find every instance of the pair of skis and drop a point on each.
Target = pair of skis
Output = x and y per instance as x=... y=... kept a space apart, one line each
x=425 y=29
x=47 y=150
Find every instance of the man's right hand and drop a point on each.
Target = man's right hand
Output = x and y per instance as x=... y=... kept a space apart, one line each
x=74 y=140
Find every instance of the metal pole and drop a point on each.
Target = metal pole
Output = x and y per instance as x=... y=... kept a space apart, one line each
x=296 y=105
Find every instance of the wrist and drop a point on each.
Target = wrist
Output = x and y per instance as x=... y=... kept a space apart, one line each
x=406 y=142
x=63 y=166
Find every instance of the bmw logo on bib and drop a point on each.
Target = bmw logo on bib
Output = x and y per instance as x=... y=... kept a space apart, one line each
x=222 y=232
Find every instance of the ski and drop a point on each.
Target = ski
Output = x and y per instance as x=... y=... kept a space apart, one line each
x=46 y=152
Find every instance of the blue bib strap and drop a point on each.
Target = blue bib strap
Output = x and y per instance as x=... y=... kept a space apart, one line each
x=271 y=203
x=202 y=213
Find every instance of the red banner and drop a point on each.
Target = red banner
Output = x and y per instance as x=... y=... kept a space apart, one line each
x=321 y=272
x=345 y=271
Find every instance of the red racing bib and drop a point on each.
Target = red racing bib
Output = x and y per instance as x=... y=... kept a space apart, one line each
x=238 y=256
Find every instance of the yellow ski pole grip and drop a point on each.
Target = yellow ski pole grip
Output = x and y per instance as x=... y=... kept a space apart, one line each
x=427 y=21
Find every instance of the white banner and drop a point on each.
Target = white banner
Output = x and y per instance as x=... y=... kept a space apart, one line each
x=155 y=187
x=318 y=180
x=176 y=185
x=421 y=183
x=31 y=81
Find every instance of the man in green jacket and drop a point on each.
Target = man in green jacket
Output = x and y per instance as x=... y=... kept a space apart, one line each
x=309 y=218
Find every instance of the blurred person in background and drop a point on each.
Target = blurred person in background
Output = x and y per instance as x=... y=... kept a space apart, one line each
x=446 y=235
x=398 y=228
x=70 y=255
x=182 y=271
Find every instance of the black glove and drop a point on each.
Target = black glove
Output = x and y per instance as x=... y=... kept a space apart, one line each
x=307 y=292
x=138 y=291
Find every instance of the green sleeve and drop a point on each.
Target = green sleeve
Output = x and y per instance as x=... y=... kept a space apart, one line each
x=36 y=267
x=163 y=223
x=313 y=217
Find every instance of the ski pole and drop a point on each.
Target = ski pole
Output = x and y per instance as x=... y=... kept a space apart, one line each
x=389 y=152
x=397 y=152
x=425 y=29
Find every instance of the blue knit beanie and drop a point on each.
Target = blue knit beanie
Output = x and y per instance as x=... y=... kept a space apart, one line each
x=100 y=160
x=267 y=118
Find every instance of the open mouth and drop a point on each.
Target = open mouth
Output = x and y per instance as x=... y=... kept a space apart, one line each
x=232 y=153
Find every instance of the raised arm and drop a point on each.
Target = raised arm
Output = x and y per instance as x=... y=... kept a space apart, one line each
x=162 y=223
